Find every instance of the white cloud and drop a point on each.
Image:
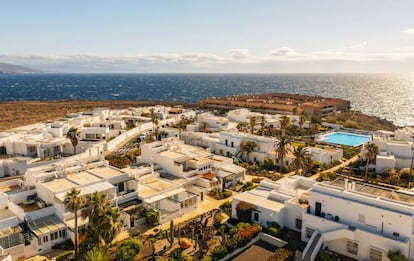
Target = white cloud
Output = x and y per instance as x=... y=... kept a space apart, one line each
x=283 y=51
x=409 y=31
x=238 y=53
x=360 y=45
x=283 y=59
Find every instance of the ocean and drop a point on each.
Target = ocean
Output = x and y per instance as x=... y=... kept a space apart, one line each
x=383 y=95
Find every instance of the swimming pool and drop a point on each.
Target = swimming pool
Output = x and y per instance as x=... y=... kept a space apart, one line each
x=343 y=138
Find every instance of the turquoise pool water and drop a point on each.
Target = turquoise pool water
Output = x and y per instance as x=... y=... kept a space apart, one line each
x=348 y=139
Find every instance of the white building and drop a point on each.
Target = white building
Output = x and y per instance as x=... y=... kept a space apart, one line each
x=229 y=146
x=325 y=155
x=393 y=153
x=215 y=123
x=358 y=220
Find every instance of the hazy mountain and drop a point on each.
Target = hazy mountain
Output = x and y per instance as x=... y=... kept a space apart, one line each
x=7 y=68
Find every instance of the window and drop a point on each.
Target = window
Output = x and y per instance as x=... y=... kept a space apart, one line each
x=352 y=247
x=308 y=232
x=45 y=239
x=298 y=223
x=396 y=234
x=121 y=187
x=375 y=254
x=52 y=236
x=226 y=142
x=232 y=144
x=256 y=216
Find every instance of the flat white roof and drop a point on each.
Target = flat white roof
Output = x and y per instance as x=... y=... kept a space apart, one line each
x=83 y=178
x=6 y=213
x=98 y=187
x=106 y=172
x=58 y=185
x=260 y=201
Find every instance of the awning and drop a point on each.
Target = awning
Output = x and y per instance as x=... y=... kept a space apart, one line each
x=45 y=225
x=164 y=195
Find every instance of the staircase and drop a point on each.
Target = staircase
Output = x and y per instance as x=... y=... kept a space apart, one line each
x=309 y=250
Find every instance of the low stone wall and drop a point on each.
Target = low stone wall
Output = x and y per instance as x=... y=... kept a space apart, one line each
x=272 y=240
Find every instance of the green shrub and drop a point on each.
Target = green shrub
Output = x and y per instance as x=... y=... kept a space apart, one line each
x=226 y=207
x=128 y=249
x=396 y=256
x=219 y=252
x=226 y=194
x=152 y=216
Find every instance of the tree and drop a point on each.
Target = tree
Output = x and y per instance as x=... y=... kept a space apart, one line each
x=253 y=122
x=262 y=125
x=128 y=250
x=282 y=149
x=246 y=147
x=302 y=119
x=203 y=127
x=104 y=222
x=73 y=135
x=98 y=254
x=242 y=126
x=301 y=160
x=155 y=121
x=74 y=202
x=372 y=151
x=295 y=110
x=284 y=124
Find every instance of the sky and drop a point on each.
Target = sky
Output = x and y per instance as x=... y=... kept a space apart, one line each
x=214 y=36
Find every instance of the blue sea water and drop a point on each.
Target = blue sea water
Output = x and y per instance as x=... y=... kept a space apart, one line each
x=386 y=96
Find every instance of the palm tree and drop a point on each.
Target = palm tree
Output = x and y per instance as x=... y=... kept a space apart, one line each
x=253 y=121
x=284 y=124
x=247 y=146
x=98 y=254
x=372 y=151
x=154 y=120
x=73 y=202
x=73 y=135
x=203 y=127
x=295 y=110
x=302 y=119
x=282 y=149
x=262 y=125
x=301 y=161
x=111 y=225
x=242 y=126
x=104 y=222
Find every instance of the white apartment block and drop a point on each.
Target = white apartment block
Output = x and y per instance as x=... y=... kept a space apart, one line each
x=325 y=155
x=358 y=220
x=190 y=162
x=229 y=146
x=215 y=123
x=393 y=153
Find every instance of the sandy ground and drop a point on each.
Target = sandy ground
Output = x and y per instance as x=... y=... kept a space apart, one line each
x=20 y=113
